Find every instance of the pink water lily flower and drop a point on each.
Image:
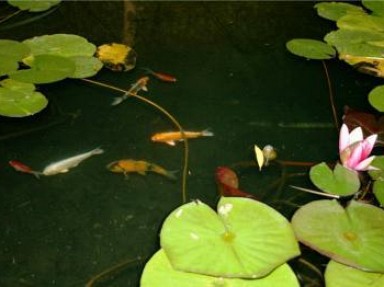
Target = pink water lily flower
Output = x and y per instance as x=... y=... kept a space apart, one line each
x=355 y=150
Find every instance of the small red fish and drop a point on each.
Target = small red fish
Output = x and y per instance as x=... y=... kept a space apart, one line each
x=228 y=183
x=161 y=76
x=23 y=168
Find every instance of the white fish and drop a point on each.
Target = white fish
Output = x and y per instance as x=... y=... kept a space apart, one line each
x=64 y=165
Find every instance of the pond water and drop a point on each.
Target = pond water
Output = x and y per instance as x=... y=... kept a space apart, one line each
x=235 y=77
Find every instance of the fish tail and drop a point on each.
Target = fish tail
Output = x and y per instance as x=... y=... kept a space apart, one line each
x=207 y=133
x=37 y=174
x=118 y=100
x=171 y=174
x=147 y=70
x=162 y=171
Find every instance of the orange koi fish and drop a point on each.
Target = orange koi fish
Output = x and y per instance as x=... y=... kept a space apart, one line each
x=141 y=84
x=228 y=183
x=171 y=137
x=127 y=166
x=161 y=76
x=24 y=168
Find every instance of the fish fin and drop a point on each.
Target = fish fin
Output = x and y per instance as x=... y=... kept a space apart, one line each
x=144 y=88
x=172 y=174
x=259 y=156
x=142 y=172
x=37 y=174
x=171 y=143
x=207 y=133
x=126 y=175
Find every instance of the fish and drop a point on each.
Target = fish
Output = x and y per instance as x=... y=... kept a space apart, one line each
x=64 y=165
x=140 y=85
x=228 y=183
x=160 y=76
x=24 y=168
x=171 y=138
x=127 y=166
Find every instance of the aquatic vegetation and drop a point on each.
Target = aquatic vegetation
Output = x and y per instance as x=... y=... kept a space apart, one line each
x=358 y=40
x=117 y=57
x=34 y=5
x=245 y=239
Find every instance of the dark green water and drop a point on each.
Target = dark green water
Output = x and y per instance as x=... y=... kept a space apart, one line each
x=234 y=77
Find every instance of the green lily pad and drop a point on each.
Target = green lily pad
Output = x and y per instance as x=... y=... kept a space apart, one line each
x=378 y=174
x=20 y=99
x=340 y=275
x=13 y=50
x=45 y=69
x=378 y=191
x=159 y=272
x=340 y=181
x=335 y=10
x=65 y=45
x=376 y=98
x=355 y=42
x=7 y=65
x=33 y=5
x=246 y=238
x=377 y=7
x=86 y=66
x=361 y=22
x=353 y=236
x=311 y=49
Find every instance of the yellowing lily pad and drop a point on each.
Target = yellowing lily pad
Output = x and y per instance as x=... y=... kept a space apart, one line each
x=20 y=99
x=117 y=57
x=34 y=5
x=159 y=272
x=311 y=49
x=246 y=238
x=340 y=181
x=353 y=236
x=45 y=69
x=340 y=275
x=65 y=45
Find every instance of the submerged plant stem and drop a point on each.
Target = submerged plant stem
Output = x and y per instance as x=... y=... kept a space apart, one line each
x=170 y=117
x=331 y=97
x=6 y=18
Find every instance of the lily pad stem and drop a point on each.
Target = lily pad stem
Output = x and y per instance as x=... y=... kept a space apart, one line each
x=170 y=117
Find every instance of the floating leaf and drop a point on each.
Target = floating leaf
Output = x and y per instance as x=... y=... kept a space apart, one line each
x=13 y=50
x=159 y=272
x=117 y=57
x=34 y=5
x=65 y=45
x=311 y=49
x=7 y=65
x=45 y=69
x=378 y=174
x=20 y=99
x=376 y=98
x=361 y=22
x=340 y=181
x=335 y=10
x=377 y=7
x=245 y=239
x=378 y=191
x=86 y=66
x=352 y=236
x=340 y=275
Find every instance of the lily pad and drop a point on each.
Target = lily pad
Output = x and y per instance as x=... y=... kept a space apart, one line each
x=20 y=99
x=34 y=5
x=335 y=10
x=378 y=191
x=159 y=272
x=117 y=57
x=340 y=275
x=311 y=49
x=353 y=236
x=86 y=66
x=13 y=50
x=376 y=98
x=45 y=69
x=377 y=7
x=246 y=238
x=65 y=45
x=340 y=181
x=361 y=22
x=378 y=174
x=7 y=65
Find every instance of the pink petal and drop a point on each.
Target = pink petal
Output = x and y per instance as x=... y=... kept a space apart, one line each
x=368 y=145
x=343 y=138
x=355 y=157
x=355 y=136
x=365 y=164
